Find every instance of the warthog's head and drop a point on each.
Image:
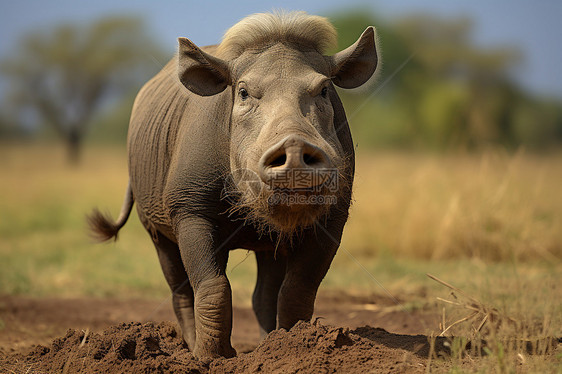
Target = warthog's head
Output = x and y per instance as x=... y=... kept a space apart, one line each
x=287 y=160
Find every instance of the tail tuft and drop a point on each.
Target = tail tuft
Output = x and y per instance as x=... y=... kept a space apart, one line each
x=102 y=228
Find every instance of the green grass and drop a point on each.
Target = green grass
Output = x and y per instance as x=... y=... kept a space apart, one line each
x=44 y=246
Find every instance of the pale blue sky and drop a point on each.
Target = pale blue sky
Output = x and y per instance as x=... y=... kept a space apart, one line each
x=533 y=26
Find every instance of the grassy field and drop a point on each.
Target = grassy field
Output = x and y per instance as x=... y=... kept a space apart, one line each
x=489 y=224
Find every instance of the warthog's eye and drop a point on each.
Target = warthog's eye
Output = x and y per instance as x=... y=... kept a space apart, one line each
x=324 y=92
x=243 y=93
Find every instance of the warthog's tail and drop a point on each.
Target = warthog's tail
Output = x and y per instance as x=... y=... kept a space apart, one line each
x=102 y=227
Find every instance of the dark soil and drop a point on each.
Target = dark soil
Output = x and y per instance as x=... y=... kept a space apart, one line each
x=134 y=347
x=98 y=342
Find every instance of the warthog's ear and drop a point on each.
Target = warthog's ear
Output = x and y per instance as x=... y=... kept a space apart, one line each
x=356 y=64
x=200 y=72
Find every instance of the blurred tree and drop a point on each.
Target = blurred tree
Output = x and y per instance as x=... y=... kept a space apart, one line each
x=475 y=107
x=449 y=94
x=7 y=128
x=62 y=78
x=112 y=126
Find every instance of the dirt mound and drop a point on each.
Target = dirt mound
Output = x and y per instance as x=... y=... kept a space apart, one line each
x=314 y=348
x=158 y=348
x=124 y=348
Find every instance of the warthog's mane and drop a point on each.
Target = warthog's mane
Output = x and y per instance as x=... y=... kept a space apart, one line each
x=262 y=29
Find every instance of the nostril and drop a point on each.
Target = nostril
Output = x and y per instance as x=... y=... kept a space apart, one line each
x=311 y=159
x=279 y=161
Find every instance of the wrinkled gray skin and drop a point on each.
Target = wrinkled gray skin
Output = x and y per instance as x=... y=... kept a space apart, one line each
x=187 y=135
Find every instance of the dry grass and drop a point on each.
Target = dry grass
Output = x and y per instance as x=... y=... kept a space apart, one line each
x=44 y=243
x=493 y=206
x=519 y=338
x=462 y=210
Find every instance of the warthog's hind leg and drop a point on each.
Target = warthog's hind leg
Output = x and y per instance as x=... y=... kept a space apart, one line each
x=182 y=299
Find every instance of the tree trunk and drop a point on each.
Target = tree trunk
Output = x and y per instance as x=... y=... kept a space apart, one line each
x=74 y=147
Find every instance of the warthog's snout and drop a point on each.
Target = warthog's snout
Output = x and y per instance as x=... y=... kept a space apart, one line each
x=293 y=163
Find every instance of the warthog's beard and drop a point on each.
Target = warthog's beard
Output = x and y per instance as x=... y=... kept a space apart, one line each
x=290 y=210
x=283 y=211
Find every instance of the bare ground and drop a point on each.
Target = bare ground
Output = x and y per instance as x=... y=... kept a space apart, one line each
x=114 y=335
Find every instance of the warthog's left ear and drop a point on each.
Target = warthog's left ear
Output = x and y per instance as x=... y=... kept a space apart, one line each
x=356 y=64
x=200 y=72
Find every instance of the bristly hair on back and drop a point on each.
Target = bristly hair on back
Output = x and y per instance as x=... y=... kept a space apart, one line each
x=280 y=26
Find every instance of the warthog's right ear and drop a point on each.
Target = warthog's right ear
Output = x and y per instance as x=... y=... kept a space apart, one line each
x=200 y=72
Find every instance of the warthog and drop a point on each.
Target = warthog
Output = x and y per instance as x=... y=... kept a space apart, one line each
x=245 y=144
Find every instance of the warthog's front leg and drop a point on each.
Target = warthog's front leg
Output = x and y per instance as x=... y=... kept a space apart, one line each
x=307 y=265
x=205 y=264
